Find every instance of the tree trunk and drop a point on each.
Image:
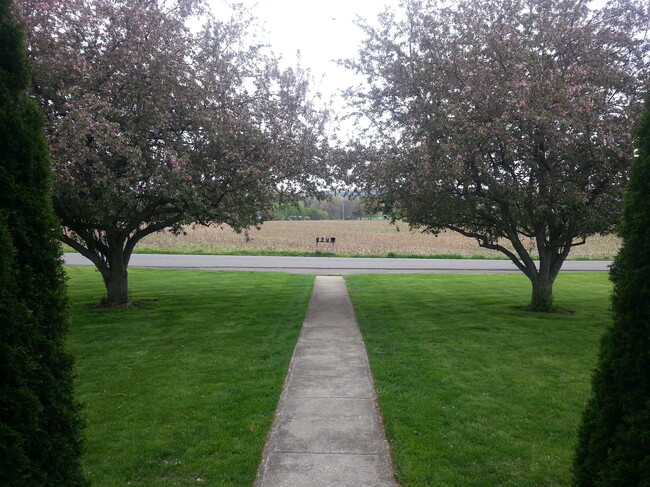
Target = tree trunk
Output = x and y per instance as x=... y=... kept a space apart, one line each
x=111 y=253
x=548 y=268
x=116 y=279
x=117 y=287
x=542 y=296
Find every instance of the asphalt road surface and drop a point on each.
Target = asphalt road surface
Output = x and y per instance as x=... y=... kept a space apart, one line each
x=333 y=265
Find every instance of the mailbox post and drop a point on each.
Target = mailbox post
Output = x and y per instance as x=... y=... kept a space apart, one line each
x=326 y=240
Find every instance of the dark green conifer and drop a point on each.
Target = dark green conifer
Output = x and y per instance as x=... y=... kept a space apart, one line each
x=40 y=427
x=614 y=442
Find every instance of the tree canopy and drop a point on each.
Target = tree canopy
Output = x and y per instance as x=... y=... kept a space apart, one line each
x=509 y=122
x=155 y=122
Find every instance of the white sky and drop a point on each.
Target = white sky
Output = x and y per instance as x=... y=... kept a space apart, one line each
x=322 y=30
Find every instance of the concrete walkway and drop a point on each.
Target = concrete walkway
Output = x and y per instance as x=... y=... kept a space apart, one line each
x=327 y=430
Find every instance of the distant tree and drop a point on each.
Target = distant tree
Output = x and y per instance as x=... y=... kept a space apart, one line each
x=614 y=445
x=367 y=209
x=316 y=214
x=40 y=428
x=504 y=121
x=336 y=206
x=298 y=211
x=153 y=125
x=313 y=207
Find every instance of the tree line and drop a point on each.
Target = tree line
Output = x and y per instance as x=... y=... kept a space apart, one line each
x=334 y=207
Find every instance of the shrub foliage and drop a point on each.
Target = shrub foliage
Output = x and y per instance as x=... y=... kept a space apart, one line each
x=614 y=446
x=40 y=427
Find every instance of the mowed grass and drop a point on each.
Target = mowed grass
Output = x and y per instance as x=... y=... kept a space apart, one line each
x=472 y=391
x=182 y=389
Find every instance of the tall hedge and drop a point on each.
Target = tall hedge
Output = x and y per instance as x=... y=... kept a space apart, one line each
x=614 y=441
x=40 y=427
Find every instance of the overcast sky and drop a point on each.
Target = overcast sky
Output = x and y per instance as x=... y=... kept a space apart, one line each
x=322 y=30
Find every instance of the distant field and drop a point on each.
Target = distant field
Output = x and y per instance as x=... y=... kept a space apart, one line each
x=353 y=237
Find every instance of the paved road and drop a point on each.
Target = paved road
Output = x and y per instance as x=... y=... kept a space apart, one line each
x=334 y=265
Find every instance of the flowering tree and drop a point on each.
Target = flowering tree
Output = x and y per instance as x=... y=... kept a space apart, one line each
x=153 y=125
x=509 y=122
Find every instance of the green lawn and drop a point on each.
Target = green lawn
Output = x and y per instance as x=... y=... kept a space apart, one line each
x=474 y=392
x=183 y=388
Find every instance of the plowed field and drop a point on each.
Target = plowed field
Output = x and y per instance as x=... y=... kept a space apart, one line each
x=353 y=237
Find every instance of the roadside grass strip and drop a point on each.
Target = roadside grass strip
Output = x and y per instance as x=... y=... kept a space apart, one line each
x=182 y=388
x=474 y=392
